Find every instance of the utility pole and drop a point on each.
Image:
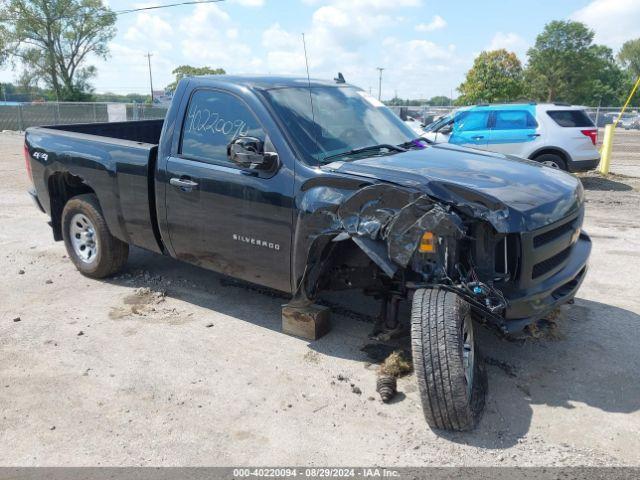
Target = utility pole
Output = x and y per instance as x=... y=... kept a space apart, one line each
x=380 y=69
x=149 y=55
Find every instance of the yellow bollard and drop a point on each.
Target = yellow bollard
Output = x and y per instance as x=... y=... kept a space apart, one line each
x=605 y=153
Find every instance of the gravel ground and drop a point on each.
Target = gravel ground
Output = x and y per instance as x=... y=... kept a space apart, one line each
x=169 y=364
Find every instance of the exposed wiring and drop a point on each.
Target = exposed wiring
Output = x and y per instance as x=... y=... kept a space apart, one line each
x=493 y=299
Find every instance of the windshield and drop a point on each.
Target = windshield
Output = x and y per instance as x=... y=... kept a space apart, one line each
x=343 y=119
x=438 y=123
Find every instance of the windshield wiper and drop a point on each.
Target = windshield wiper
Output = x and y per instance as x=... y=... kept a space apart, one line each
x=355 y=151
x=412 y=143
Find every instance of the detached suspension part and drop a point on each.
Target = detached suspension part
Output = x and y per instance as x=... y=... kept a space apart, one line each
x=387 y=325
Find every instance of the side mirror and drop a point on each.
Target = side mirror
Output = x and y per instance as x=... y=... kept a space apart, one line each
x=248 y=152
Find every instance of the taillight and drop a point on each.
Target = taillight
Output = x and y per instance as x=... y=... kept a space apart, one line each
x=592 y=134
x=27 y=160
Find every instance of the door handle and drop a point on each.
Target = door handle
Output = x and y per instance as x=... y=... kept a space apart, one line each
x=533 y=135
x=185 y=184
x=477 y=137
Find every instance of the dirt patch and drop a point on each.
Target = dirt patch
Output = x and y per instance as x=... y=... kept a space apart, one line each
x=148 y=305
x=548 y=328
x=312 y=357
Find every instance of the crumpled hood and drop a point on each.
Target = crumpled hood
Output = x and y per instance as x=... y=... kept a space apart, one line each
x=511 y=193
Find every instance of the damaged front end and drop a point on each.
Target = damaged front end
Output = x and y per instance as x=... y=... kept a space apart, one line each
x=389 y=240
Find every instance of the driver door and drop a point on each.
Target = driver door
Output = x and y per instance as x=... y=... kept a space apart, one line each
x=221 y=215
x=471 y=129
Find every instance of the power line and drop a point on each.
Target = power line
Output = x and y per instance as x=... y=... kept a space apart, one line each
x=168 y=5
x=120 y=12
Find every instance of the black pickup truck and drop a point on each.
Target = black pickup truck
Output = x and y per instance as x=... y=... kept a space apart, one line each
x=308 y=186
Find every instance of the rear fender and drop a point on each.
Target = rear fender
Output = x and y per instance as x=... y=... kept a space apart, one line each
x=61 y=187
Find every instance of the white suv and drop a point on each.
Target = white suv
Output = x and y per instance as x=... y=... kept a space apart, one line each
x=558 y=135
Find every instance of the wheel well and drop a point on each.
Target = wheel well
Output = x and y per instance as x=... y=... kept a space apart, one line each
x=62 y=187
x=552 y=151
x=345 y=266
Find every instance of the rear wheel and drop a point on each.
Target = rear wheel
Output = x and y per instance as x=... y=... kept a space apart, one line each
x=451 y=380
x=90 y=245
x=552 y=160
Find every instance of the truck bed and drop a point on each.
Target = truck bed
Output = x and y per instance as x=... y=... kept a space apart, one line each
x=115 y=160
x=143 y=131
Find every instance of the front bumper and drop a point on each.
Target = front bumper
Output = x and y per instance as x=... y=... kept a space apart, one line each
x=531 y=304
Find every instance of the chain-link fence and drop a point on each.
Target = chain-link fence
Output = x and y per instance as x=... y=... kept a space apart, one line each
x=20 y=116
x=625 y=156
x=625 y=150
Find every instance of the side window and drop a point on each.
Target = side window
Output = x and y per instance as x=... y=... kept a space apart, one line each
x=212 y=121
x=471 y=121
x=571 y=118
x=514 y=120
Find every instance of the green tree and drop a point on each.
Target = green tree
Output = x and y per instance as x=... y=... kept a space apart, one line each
x=53 y=40
x=128 y=98
x=565 y=64
x=3 y=40
x=22 y=91
x=188 y=71
x=496 y=76
x=607 y=84
x=439 y=100
x=629 y=57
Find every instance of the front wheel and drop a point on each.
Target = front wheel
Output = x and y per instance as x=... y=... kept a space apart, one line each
x=451 y=380
x=94 y=251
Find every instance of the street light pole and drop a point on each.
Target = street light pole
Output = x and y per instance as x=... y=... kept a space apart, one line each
x=380 y=69
x=149 y=55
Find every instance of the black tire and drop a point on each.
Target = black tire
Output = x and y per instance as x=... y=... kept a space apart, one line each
x=110 y=254
x=437 y=322
x=551 y=159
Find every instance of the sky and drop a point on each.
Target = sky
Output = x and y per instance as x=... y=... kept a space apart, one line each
x=425 y=46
